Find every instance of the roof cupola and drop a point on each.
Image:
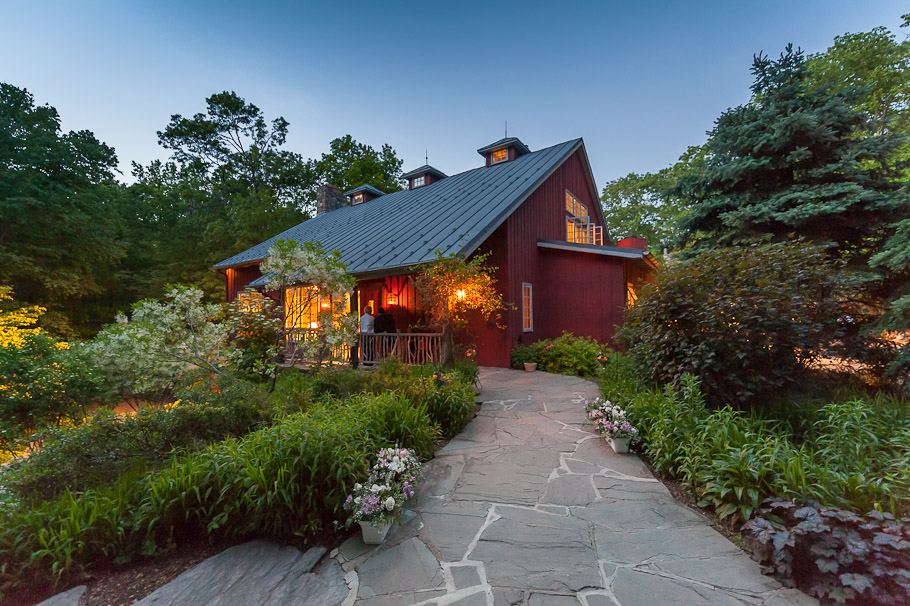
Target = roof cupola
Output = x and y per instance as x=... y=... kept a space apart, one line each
x=420 y=177
x=504 y=150
x=364 y=193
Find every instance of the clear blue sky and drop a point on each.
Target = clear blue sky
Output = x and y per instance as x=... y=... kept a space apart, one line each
x=640 y=81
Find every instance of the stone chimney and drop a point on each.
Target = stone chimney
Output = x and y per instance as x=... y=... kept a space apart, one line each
x=328 y=198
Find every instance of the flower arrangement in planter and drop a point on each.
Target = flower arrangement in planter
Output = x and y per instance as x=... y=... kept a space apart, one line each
x=378 y=502
x=470 y=353
x=611 y=423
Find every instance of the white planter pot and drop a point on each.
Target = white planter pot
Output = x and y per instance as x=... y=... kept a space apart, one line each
x=530 y=366
x=619 y=445
x=373 y=535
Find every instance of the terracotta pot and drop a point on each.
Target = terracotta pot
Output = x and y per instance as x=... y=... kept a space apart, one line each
x=619 y=445
x=530 y=366
x=373 y=535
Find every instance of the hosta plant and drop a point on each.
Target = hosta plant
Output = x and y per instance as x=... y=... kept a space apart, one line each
x=610 y=421
x=379 y=500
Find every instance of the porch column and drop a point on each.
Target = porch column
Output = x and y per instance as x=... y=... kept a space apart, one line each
x=355 y=309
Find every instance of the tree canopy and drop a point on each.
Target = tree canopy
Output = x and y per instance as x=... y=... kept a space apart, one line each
x=350 y=164
x=59 y=227
x=639 y=205
x=791 y=162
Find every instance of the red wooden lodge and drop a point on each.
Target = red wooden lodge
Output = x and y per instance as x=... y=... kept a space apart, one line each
x=537 y=213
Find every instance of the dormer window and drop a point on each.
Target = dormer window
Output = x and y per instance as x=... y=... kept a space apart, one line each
x=425 y=175
x=504 y=150
x=362 y=194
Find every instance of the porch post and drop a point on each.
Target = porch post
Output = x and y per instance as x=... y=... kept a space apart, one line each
x=355 y=309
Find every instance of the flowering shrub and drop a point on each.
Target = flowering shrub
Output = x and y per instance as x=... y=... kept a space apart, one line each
x=391 y=482
x=610 y=420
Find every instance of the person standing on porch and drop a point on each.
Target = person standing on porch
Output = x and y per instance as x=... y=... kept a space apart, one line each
x=366 y=329
x=385 y=325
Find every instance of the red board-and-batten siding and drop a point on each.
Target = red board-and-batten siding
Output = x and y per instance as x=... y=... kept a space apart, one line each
x=236 y=279
x=572 y=291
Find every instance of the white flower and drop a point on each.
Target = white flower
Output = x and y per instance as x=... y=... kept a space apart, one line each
x=390 y=503
x=357 y=486
x=376 y=489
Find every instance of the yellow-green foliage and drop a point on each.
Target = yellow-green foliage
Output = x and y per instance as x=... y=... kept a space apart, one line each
x=18 y=323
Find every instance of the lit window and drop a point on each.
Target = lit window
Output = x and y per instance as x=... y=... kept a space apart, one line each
x=358 y=198
x=579 y=227
x=303 y=304
x=500 y=155
x=527 y=308
x=250 y=301
x=631 y=297
x=418 y=181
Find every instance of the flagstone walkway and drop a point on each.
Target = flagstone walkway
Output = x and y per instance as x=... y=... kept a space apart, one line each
x=527 y=506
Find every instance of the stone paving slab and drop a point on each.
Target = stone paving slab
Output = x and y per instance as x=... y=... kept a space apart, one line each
x=527 y=506
x=257 y=572
x=70 y=597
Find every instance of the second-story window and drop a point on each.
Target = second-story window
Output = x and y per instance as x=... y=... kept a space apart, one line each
x=418 y=181
x=500 y=155
x=579 y=227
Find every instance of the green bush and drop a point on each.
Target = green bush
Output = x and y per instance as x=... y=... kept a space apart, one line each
x=853 y=454
x=76 y=458
x=290 y=478
x=745 y=319
x=41 y=385
x=450 y=405
x=566 y=355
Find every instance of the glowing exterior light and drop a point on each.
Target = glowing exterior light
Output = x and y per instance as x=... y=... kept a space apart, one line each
x=460 y=294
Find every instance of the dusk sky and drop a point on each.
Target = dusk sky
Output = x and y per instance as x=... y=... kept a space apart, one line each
x=640 y=81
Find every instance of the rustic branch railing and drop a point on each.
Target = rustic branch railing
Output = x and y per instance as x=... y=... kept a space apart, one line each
x=339 y=354
x=414 y=349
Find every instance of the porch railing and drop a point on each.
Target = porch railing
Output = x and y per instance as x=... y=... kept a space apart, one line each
x=411 y=348
x=414 y=349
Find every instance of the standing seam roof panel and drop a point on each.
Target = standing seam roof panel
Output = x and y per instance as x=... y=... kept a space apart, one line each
x=405 y=228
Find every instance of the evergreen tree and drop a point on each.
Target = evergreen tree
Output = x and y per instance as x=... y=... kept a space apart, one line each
x=793 y=162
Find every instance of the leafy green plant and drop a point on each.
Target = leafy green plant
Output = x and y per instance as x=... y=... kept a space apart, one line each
x=836 y=555
x=290 y=478
x=851 y=454
x=567 y=355
x=78 y=457
x=43 y=383
x=745 y=319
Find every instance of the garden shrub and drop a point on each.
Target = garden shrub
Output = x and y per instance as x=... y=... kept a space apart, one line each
x=77 y=457
x=566 y=355
x=290 y=478
x=43 y=383
x=450 y=404
x=853 y=454
x=836 y=555
x=745 y=319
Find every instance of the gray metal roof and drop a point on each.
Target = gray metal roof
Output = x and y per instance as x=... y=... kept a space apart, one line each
x=366 y=187
x=405 y=228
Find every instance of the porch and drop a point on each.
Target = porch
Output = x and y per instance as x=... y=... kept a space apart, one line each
x=413 y=349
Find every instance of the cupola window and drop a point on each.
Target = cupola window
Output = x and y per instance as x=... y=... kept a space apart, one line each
x=358 y=198
x=500 y=155
x=419 y=181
